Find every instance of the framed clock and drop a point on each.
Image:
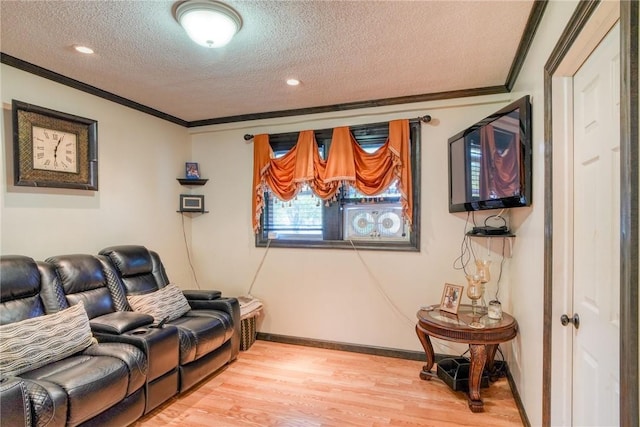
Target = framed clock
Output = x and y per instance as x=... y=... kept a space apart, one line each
x=54 y=149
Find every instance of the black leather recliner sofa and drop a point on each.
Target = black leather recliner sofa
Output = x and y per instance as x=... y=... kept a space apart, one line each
x=209 y=332
x=135 y=364
x=90 y=279
x=100 y=384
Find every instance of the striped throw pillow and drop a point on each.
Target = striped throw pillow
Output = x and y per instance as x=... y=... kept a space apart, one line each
x=32 y=343
x=165 y=302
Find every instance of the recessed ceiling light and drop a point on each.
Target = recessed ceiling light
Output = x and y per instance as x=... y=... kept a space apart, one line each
x=293 y=82
x=83 y=49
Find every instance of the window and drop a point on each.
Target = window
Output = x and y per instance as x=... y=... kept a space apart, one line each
x=474 y=159
x=350 y=218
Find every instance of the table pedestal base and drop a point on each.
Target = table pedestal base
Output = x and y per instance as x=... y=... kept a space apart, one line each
x=482 y=334
x=426 y=373
x=478 y=360
x=481 y=355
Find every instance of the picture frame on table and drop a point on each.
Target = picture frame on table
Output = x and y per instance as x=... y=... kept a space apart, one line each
x=192 y=171
x=451 y=296
x=53 y=148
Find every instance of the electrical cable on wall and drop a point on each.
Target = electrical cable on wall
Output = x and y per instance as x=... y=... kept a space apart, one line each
x=386 y=297
x=500 y=273
x=255 y=276
x=466 y=250
x=186 y=245
x=375 y=280
x=380 y=288
x=503 y=219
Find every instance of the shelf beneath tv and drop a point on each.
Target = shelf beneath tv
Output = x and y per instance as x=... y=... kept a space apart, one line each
x=192 y=181
x=472 y=234
x=507 y=236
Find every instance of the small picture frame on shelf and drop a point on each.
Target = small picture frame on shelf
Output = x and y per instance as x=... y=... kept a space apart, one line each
x=191 y=203
x=451 y=296
x=192 y=171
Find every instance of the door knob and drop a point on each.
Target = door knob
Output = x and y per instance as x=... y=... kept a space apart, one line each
x=566 y=320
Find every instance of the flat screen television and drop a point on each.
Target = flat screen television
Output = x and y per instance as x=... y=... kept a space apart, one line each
x=490 y=162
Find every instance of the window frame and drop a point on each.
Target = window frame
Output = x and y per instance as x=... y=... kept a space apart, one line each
x=362 y=133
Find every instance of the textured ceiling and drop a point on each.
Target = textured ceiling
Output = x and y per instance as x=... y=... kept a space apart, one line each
x=342 y=51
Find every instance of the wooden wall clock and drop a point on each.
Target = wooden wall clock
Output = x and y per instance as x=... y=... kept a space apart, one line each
x=54 y=149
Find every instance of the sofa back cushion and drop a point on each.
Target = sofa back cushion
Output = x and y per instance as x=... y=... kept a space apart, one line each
x=83 y=279
x=19 y=289
x=139 y=269
x=38 y=341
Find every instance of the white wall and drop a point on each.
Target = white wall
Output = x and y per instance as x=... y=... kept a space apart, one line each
x=139 y=159
x=527 y=265
x=332 y=294
x=337 y=295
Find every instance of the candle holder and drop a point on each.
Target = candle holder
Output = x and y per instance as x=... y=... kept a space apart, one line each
x=475 y=290
x=483 y=270
x=495 y=310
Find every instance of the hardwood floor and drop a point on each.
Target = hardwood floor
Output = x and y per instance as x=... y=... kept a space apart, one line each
x=274 y=384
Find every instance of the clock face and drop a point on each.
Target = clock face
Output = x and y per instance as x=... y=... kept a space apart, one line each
x=54 y=150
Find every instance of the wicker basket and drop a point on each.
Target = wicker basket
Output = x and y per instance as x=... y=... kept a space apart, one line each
x=247 y=332
x=250 y=309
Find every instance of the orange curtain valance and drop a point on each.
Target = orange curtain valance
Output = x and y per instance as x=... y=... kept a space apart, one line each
x=347 y=162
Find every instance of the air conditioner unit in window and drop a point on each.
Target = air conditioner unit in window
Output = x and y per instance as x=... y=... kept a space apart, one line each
x=374 y=222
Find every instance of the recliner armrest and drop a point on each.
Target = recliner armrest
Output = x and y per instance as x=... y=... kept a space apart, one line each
x=228 y=305
x=16 y=408
x=207 y=295
x=120 y=322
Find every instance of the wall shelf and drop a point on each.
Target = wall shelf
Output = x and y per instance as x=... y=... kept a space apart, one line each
x=193 y=212
x=472 y=234
x=192 y=181
x=509 y=237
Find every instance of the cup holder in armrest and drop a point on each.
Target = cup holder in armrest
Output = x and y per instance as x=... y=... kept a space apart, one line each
x=140 y=332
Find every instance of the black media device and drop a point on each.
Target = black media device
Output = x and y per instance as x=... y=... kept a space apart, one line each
x=488 y=230
x=492 y=230
x=490 y=162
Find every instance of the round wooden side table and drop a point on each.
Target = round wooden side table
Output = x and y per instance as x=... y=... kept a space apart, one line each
x=479 y=331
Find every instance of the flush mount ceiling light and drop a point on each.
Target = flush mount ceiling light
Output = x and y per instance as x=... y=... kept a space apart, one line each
x=209 y=23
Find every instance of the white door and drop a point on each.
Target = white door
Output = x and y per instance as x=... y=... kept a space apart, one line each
x=596 y=269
